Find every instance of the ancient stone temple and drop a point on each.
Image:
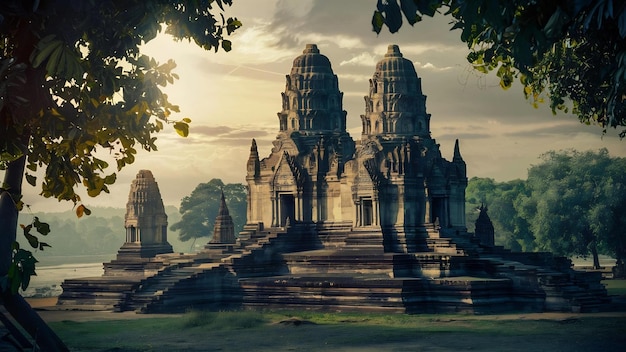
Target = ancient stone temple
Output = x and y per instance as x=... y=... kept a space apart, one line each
x=394 y=180
x=372 y=225
x=146 y=238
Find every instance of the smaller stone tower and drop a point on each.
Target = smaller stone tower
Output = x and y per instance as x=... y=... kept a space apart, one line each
x=145 y=220
x=223 y=229
x=484 y=228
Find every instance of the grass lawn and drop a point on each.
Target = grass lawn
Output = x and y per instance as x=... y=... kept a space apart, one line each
x=313 y=331
x=316 y=331
x=615 y=287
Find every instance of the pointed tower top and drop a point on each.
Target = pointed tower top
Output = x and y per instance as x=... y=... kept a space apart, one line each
x=223 y=211
x=253 y=165
x=457 y=152
x=311 y=49
x=393 y=51
x=223 y=228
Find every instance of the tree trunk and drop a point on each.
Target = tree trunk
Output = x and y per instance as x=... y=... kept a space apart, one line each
x=15 y=304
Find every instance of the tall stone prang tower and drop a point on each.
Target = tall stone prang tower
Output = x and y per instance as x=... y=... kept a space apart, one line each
x=145 y=220
x=392 y=186
x=401 y=184
x=300 y=180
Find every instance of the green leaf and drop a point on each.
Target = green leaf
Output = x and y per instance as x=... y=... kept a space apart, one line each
x=32 y=240
x=377 y=22
x=410 y=11
x=110 y=179
x=393 y=16
x=42 y=227
x=53 y=61
x=226 y=45
x=181 y=128
x=44 y=50
x=32 y=180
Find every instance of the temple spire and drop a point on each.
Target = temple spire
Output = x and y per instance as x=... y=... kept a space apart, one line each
x=224 y=228
x=223 y=207
x=253 y=165
x=457 y=152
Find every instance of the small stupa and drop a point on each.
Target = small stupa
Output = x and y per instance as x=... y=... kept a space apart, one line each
x=484 y=232
x=223 y=229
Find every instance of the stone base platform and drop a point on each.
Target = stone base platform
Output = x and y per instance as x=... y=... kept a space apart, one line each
x=95 y=293
x=382 y=294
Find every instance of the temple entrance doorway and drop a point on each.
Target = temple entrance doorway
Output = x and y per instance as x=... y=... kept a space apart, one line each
x=368 y=212
x=287 y=208
x=439 y=211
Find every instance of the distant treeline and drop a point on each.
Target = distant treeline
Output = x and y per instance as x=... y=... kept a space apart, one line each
x=100 y=233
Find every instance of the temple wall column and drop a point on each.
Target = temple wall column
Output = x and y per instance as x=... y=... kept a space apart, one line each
x=275 y=211
x=299 y=207
x=376 y=211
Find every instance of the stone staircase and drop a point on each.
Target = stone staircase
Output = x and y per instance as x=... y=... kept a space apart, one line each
x=211 y=280
x=453 y=274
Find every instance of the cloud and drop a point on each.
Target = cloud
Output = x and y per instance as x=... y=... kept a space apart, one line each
x=259 y=45
x=363 y=59
x=562 y=128
x=211 y=131
x=227 y=135
x=429 y=66
x=462 y=136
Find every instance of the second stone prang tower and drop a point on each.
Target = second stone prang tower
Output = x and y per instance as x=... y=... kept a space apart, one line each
x=393 y=182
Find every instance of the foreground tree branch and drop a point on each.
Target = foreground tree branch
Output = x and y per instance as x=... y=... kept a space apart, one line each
x=570 y=53
x=73 y=82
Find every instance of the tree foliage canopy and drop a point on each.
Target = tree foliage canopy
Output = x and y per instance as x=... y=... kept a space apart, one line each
x=571 y=204
x=201 y=207
x=74 y=83
x=511 y=230
x=572 y=52
x=576 y=203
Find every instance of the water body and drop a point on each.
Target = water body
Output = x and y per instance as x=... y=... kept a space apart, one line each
x=51 y=272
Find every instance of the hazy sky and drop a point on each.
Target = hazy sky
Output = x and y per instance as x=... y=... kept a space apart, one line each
x=234 y=97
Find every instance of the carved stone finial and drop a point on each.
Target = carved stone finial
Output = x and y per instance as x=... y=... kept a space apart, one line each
x=393 y=51
x=311 y=49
